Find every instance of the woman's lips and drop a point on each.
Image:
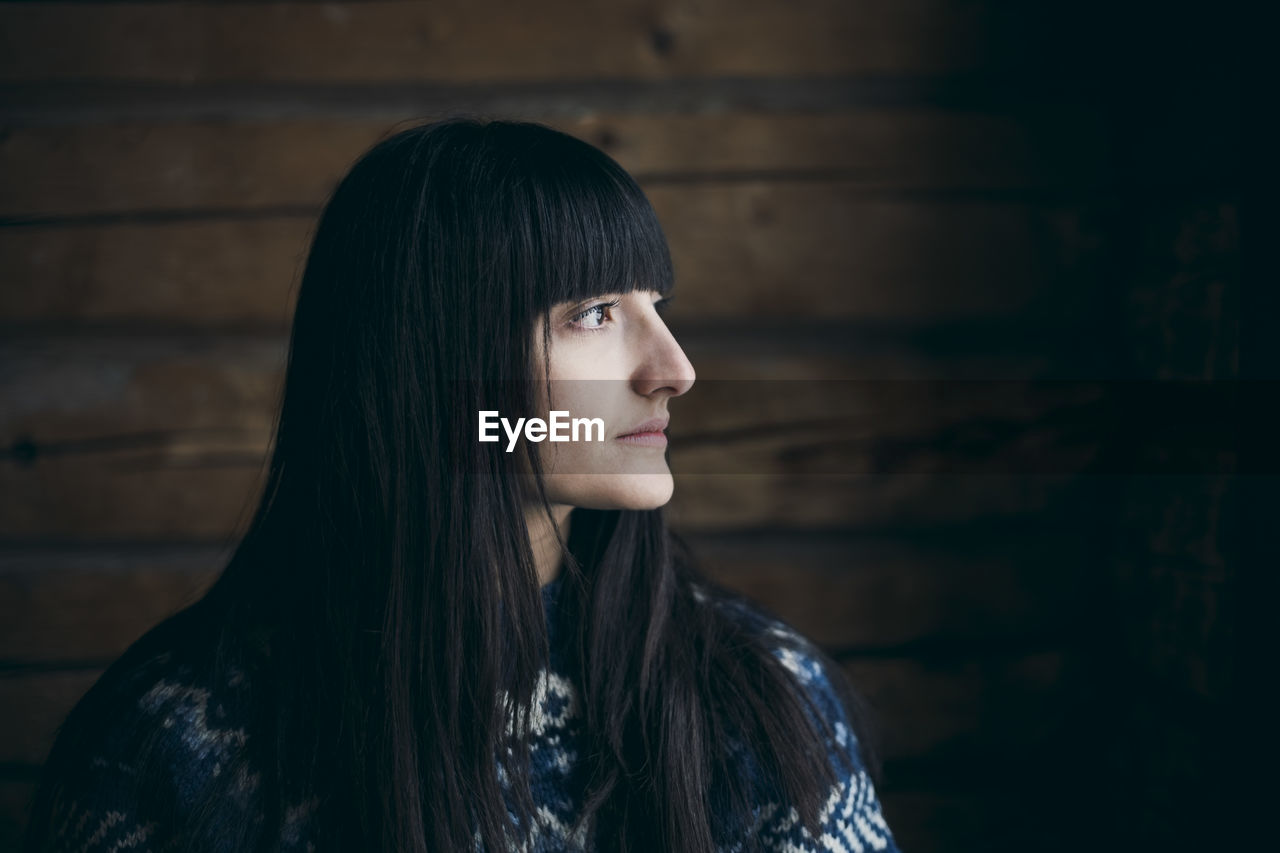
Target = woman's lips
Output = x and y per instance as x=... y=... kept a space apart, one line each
x=655 y=438
x=648 y=433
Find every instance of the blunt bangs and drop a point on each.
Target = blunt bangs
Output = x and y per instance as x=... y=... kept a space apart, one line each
x=589 y=226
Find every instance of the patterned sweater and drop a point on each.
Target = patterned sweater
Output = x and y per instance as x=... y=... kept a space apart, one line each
x=201 y=731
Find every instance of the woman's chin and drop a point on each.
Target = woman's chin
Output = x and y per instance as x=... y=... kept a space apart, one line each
x=649 y=491
x=618 y=491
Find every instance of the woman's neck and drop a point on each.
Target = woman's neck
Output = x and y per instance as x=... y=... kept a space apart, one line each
x=547 y=554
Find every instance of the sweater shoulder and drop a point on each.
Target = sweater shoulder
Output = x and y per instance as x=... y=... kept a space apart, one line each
x=141 y=750
x=809 y=666
x=795 y=650
x=168 y=690
x=851 y=817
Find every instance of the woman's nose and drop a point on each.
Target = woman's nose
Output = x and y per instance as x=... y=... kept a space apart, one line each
x=666 y=367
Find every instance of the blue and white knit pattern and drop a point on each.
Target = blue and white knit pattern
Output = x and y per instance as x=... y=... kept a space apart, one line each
x=205 y=738
x=851 y=820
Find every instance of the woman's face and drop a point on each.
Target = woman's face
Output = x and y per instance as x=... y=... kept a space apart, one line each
x=613 y=358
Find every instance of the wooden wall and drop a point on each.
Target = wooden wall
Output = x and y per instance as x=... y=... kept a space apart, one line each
x=893 y=224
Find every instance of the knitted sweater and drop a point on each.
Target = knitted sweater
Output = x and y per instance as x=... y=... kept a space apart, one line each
x=202 y=730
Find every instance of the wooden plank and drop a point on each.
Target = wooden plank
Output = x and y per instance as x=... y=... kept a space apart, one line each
x=485 y=42
x=792 y=351
x=33 y=708
x=87 y=606
x=942 y=820
x=178 y=451
x=994 y=704
x=15 y=800
x=166 y=441
x=997 y=705
x=211 y=273
x=777 y=250
x=134 y=167
x=788 y=251
x=1178 y=575
x=731 y=502
x=154 y=396
x=114 y=497
x=872 y=593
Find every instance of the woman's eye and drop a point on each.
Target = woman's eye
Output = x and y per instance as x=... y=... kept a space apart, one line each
x=663 y=304
x=596 y=312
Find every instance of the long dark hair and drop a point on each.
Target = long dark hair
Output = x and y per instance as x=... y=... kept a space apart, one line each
x=384 y=595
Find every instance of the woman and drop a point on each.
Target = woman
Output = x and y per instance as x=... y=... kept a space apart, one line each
x=426 y=641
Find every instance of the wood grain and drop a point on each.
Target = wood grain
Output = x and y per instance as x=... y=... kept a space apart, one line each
x=868 y=593
x=788 y=251
x=115 y=168
x=481 y=42
x=88 y=606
